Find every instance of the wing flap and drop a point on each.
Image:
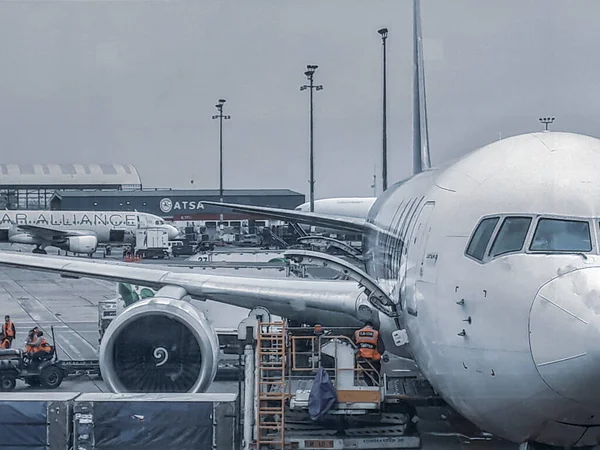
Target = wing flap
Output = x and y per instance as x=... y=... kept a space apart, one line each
x=332 y=303
x=321 y=220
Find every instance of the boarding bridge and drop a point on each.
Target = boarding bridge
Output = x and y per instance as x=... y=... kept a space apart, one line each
x=286 y=360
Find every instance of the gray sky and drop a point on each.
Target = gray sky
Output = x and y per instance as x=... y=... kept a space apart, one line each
x=136 y=82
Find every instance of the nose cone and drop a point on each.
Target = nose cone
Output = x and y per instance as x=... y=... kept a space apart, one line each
x=564 y=334
x=172 y=232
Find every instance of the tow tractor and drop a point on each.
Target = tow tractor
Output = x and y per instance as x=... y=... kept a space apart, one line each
x=47 y=372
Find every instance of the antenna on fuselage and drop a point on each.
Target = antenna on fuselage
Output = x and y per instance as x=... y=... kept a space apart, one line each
x=421 y=157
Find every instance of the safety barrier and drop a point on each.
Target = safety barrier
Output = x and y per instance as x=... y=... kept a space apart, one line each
x=74 y=420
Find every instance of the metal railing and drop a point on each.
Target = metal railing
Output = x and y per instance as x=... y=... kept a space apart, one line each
x=307 y=357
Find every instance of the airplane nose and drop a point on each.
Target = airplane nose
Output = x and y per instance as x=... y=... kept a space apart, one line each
x=173 y=232
x=564 y=334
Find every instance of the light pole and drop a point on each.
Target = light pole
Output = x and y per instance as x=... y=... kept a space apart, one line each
x=309 y=74
x=384 y=32
x=546 y=121
x=220 y=116
x=374 y=185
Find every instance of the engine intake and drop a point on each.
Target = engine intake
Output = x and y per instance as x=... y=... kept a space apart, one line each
x=159 y=345
x=81 y=244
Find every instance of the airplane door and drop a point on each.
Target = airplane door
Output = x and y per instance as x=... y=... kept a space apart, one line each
x=142 y=221
x=415 y=258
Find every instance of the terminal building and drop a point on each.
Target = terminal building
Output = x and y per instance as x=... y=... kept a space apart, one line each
x=181 y=206
x=31 y=186
x=118 y=187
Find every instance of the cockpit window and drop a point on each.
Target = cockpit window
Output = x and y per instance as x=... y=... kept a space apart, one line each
x=557 y=235
x=159 y=222
x=481 y=238
x=511 y=236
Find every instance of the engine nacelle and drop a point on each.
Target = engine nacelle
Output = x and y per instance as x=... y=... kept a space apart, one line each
x=81 y=244
x=159 y=345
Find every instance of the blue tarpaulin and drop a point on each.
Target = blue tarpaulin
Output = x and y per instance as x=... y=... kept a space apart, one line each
x=153 y=426
x=23 y=425
x=322 y=395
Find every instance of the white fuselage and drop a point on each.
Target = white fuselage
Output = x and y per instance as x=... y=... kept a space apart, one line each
x=511 y=342
x=51 y=228
x=346 y=207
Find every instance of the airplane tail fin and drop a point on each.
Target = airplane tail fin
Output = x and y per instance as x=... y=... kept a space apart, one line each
x=421 y=157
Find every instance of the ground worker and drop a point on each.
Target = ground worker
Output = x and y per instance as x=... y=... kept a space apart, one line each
x=37 y=345
x=8 y=332
x=370 y=348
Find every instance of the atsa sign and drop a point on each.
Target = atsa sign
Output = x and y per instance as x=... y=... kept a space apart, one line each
x=167 y=205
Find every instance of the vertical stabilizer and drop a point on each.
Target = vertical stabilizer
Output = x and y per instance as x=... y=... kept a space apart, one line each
x=421 y=158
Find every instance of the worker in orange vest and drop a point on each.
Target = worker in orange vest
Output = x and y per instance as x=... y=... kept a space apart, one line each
x=8 y=333
x=37 y=345
x=370 y=348
x=31 y=339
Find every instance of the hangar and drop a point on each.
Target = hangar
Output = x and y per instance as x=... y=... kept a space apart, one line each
x=176 y=205
x=31 y=186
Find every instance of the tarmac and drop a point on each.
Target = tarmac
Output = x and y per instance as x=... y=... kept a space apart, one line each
x=70 y=306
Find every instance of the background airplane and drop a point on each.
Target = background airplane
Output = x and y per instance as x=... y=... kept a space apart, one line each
x=341 y=206
x=500 y=313
x=76 y=231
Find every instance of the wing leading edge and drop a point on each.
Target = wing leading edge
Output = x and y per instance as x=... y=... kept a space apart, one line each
x=331 y=303
x=320 y=220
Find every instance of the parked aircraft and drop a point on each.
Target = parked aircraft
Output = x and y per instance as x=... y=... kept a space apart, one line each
x=490 y=264
x=75 y=231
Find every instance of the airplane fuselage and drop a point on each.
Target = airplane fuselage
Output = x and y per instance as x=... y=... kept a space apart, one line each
x=511 y=341
x=48 y=228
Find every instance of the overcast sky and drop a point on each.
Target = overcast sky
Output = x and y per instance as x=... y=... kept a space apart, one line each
x=136 y=82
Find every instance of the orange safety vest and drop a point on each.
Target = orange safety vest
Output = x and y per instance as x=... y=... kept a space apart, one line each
x=366 y=340
x=7 y=329
x=30 y=348
x=43 y=347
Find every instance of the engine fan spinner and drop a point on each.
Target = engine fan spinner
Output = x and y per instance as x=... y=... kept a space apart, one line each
x=159 y=345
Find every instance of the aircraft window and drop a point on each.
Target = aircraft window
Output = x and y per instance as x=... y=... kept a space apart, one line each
x=511 y=236
x=159 y=222
x=555 y=235
x=481 y=237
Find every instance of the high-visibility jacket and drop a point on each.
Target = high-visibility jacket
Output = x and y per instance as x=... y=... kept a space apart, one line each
x=30 y=346
x=38 y=345
x=366 y=339
x=44 y=346
x=8 y=329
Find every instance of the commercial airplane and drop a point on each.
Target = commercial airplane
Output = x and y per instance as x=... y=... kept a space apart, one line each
x=75 y=231
x=490 y=265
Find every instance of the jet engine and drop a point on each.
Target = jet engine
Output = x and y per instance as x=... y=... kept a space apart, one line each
x=80 y=244
x=159 y=345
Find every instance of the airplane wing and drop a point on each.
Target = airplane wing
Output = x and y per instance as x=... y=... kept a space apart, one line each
x=50 y=233
x=321 y=220
x=330 y=303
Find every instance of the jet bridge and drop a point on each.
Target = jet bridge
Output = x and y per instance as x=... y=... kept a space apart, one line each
x=280 y=366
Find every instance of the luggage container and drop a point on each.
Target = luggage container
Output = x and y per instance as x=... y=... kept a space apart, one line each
x=155 y=421
x=36 y=420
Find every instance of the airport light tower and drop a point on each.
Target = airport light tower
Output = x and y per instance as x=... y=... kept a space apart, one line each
x=384 y=33
x=546 y=121
x=309 y=75
x=220 y=116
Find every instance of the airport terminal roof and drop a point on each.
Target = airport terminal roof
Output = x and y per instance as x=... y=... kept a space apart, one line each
x=183 y=193
x=68 y=175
